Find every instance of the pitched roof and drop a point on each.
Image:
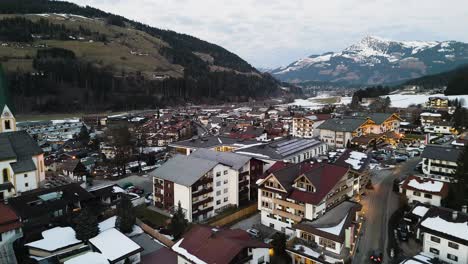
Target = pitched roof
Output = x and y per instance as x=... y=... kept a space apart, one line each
x=437 y=152
x=425 y=185
x=184 y=170
x=215 y=246
x=212 y=141
x=440 y=221
x=235 y=161
x=8 y=219
x=18 y=145
x=23 y=166
x=347 y=124
x=332 y=224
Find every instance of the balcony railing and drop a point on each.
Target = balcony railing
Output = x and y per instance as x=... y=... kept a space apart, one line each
x=288 y=204
x=282 y=213
x=202 y=201
x=202 y=191
x=197 y=212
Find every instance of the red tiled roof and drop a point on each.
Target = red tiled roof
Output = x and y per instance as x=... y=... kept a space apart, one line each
x=218 y=247
x=8 y=219
x=443 y=192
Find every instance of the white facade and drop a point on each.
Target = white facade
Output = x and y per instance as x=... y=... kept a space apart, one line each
x=425 y=198
x=183 y=194
x=225 y=187
x=336 y=139
x=439 y=169
x=439 y=247
x=303 y=127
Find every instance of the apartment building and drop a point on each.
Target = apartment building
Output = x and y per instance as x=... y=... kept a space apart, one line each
x=203 y=183
x=290 y=193
x=440 y=162
x=444 y=234
x=437 y=102
x=305 y=126
x=429 y=118
x=217 y=143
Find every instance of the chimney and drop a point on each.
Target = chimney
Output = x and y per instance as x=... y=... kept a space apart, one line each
x=465 y=209
x=454 y=215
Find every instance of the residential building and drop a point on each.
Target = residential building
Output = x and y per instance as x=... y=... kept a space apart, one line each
x=329 y=239
x=123 y=251
x=441 y=127
x=287 y=149
x=358 y=164
x=437 y=102
x=424 y=190
x=248 y=171
x=371 y=127
x=440 y=162
x=429 y=118
x=54 y=241
x=444 y=234
x=21 y=159
x=290 y=193
x=202 y=186
x=305 y=126
x=205 y=244
x=10 y=231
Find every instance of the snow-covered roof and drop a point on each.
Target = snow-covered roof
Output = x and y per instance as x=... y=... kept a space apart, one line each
x=420 y=211
x=182 y=251
x=459 y=230
x=110 y=223
x=355 y=159
x=114 y=245
x=334 y=230
x=56 y=238
x=88 y=258
x=430 y=186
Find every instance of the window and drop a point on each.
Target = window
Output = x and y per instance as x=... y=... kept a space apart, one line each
x=26 y=185
x=225 y=190
x=225 y=172
x=453 y=245
x=218 y=192
x=416 y=193
x=6 y=176
x=218 y=202
x=225 y=199
x=225 y=181
x=435 y=239
x=427 y=195
x=327 y=243
x=26 y=175
x=261 y=260
x=7 y=124
x=218 y=174
x=452 y=257
x=218 y=183
x=434 y=251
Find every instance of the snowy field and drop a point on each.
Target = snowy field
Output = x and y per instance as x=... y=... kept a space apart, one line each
x=405 y=100
x=321 y=101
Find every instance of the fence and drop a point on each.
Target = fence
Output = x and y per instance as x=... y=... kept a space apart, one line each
x=242 y=213
x=155 y=234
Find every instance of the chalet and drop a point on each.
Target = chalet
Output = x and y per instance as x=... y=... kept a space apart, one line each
x=440 y=162
x=423 y=190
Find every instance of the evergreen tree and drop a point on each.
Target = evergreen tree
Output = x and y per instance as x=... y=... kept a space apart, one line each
x=83 y=136
x=178 y=223
x=355 y=102
x=86 y=225
x=458 y=192
x=126 y=217
x=279 y=249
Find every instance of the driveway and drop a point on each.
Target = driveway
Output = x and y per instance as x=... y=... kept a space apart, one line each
x=247 y=223
x=144 y=182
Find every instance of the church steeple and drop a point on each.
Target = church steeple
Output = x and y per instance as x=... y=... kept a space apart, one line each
x=7 y=120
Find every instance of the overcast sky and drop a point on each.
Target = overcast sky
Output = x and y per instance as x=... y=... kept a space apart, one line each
x=271 y=33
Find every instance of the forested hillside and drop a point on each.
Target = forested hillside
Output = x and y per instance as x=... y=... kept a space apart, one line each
x=59 y=56
x=456 y=81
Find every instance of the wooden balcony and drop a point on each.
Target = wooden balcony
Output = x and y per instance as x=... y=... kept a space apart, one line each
x=281 y=213
x=285 y=203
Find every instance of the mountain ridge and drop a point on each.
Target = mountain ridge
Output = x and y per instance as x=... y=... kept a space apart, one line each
x=374 y=60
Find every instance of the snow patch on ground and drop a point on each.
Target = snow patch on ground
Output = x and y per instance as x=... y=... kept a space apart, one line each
x=405 y=100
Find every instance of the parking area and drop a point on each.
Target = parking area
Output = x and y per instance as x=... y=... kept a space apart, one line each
x=255 y=223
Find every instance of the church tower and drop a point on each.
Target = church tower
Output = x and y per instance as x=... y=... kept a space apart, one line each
x=7 y=120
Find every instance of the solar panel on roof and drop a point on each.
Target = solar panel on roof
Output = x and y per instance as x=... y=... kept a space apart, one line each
x=287 y=142
x=295 y=145
x=296 y=150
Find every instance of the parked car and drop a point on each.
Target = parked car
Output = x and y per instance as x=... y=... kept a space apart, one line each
x=376 y=256
x=253 y=232
x=401 y=158
x=134 y=189
x=402 y=231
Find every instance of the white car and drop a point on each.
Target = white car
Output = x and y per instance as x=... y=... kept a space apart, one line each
x=253 y=232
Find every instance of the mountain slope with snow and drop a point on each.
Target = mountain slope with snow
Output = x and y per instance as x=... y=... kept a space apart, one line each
x=375 y=60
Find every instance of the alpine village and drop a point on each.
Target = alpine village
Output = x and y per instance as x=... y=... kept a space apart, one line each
x=124 y=143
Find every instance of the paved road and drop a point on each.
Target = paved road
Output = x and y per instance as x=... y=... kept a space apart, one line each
x=378 y=206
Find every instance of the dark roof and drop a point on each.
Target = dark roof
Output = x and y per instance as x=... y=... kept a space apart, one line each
x=29 y=204
x=23 y=166
x=341 y=161
x=279 y=149
x=347 y=124
x=218 y=246
x=162 y=255
x=8 y=219
x=378 y=118
x=344 y=213
x=442 y=231
x=323 y=176
x=18 y=145
x=437 y=152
